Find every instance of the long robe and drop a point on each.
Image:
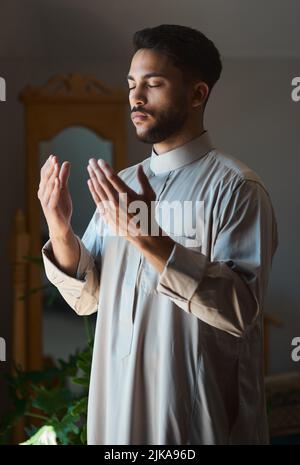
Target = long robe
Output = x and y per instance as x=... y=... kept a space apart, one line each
x=178 y=355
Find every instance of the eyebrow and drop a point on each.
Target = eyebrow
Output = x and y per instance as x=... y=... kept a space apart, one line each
x=148 y=75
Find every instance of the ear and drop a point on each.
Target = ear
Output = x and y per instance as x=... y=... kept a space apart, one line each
x=200 y=94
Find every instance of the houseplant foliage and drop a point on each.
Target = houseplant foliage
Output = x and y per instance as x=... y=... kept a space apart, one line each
x=45 y=398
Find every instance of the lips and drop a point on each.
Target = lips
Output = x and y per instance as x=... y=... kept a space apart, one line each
x=138 y=116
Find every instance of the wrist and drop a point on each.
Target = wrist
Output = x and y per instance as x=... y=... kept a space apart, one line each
x=151 y=243
x=61 y=237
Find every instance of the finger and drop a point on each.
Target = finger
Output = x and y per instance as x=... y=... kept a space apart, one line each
x=111 y=176
x=46 y=165
x=55 y=194
x=50 y=185
x=64 y=174
x=46 y=172
x=97 y=187
x=93 y=192
x=98 y=201
x=97 y=172
x=110 y=192
x=97 y=190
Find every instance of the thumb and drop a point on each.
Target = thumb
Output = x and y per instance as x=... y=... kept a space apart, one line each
x=147 y=189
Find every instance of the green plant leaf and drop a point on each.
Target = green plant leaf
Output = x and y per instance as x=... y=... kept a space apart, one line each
x=80 y=381
x=79 y=407
x=46 y=394
x=51 y=400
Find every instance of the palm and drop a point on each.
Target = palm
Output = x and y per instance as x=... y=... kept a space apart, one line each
x=65 y=206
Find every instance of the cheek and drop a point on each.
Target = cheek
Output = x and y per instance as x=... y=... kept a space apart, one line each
x=162 y=96
x=167 y=98
x=160 y=103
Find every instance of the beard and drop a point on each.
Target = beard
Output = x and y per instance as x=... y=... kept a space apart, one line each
x=168 y=122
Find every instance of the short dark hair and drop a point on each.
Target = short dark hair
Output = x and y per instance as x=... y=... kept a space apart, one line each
x=189 y=49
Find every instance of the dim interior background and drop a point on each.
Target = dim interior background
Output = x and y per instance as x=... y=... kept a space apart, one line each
x=250 y=115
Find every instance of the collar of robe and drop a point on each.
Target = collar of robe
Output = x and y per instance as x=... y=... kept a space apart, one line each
x=181 y=156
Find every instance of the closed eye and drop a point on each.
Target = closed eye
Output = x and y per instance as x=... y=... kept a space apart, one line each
x=148 y=85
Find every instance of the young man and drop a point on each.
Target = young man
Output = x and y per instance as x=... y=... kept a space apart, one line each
x=178 y=353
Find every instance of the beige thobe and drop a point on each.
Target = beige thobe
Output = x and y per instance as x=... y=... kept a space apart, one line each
x=178 y=356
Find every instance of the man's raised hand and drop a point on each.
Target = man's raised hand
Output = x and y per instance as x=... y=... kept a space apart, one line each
x=55 y=197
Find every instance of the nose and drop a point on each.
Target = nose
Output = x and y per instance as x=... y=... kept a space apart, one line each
x=137 y=97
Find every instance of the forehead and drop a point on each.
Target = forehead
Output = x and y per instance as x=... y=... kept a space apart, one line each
x=147 y=61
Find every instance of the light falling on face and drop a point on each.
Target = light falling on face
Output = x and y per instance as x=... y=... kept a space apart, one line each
x=156 y=90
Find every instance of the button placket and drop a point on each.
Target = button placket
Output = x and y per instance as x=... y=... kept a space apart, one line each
x=132 y=279
x=127 y=302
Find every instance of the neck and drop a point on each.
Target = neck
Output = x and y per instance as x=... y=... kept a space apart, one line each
x=177 y=140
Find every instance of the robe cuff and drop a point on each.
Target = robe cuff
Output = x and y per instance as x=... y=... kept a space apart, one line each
x=55 y=274
x=182 y=275
x=86 y=261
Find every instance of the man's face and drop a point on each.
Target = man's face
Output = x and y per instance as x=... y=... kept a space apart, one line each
x=158 y=92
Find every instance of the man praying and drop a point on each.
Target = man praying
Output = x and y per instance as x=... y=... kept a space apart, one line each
x=179 y=291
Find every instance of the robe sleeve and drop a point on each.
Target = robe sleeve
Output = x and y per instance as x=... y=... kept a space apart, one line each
x=226 y=290
x=82 y=291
